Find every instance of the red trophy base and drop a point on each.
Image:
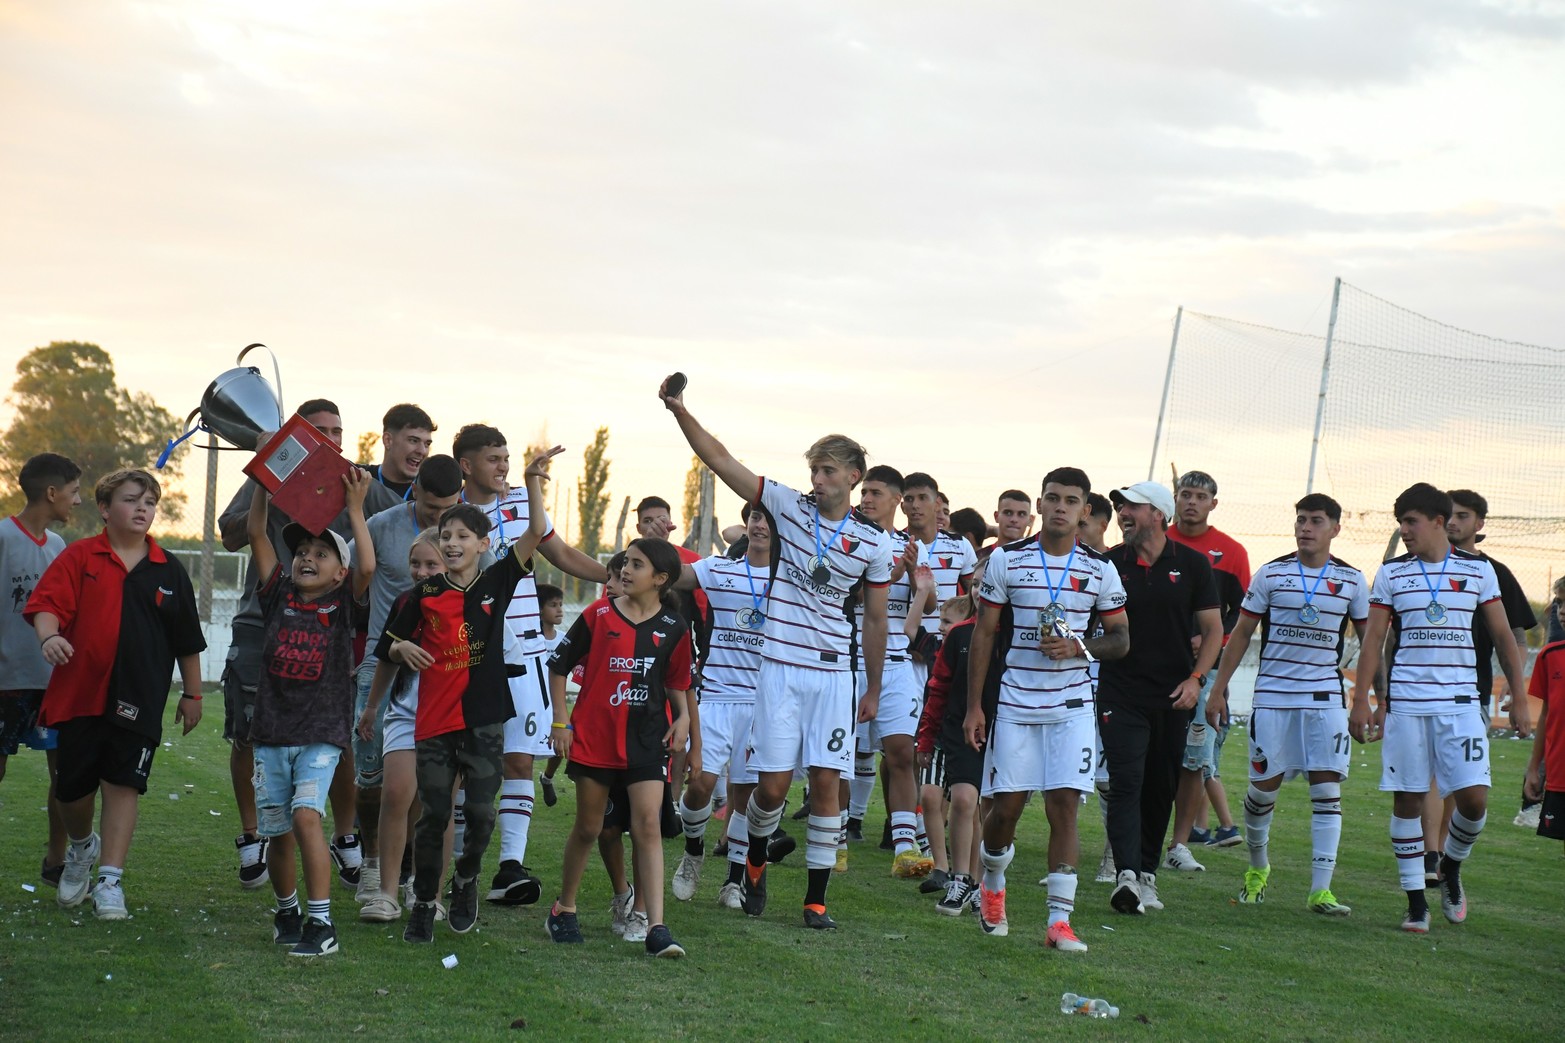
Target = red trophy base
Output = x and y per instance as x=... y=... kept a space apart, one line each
x=303 y=470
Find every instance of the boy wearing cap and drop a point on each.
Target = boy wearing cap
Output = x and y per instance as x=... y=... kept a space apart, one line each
x=304 y=704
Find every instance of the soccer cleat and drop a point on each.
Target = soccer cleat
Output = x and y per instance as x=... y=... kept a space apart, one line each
x=935 y=883
x=1431 y=870
x=252 y=860
x=804 y=809
x=1149 y=897
x=421 y=923
x=1527 y=818
x=885 y=837
x=551 y=796
x=720 y=851
x=1106 y=871
x=348 y=856
x=1061 y=937
x=816 y=918
x=1325 y=903
x=108 y=900
x=1127 y=893
x=464 y=906
x=855 y=831
x=619 y=911
x=319 y=939
x=1226 y=836
x=1453 y=896
x=753 y=893
x=730 y=896
x=1254 y=890
x=514 y=884
x=76 y=877
x=381 y=908
x=779 y=846
x=1180 y=858
x=687 y=877
x=369 y=881
x=991 y=912
x=636 y=927
x=661 y=943
x=563 y=928
x=911 y=864
x=954 y=902
x=1416 y=924
x=50 y=875
x=841 y=865
x=287 y=926
x=1199 y=836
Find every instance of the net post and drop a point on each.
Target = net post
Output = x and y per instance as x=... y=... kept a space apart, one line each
x=1168 y=382
x=208 y=532
x=1325 y=378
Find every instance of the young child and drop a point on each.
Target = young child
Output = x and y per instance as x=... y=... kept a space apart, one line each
x=304 y=703
x=113 y=614
x=52 y=485
x=637 y=653
x=453 y=626
x=551 y=615
x=1545 y=779
x=943 y=751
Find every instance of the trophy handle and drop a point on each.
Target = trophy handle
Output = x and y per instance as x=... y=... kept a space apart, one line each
x=277 y=373
x=189 y=430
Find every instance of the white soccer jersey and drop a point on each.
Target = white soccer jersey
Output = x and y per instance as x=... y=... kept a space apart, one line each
x=951 y=558
x=1434 y=667
x=737 y=592
x=808 y=624
x=898 y=594
x=1035 y=689
x=1301 y=644
x=509 y=517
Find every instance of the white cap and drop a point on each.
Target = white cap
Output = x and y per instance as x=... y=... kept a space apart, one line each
x=1146 y=492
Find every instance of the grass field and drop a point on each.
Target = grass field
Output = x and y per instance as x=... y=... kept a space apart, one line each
x=196 y=960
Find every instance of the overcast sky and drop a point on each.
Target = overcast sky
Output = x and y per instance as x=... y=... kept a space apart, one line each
x=957 y=232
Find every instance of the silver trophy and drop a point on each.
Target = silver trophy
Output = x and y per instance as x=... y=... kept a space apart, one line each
x=1059 y=628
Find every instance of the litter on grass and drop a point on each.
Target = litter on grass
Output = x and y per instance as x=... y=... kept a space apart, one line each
x=28 y=887
x=449 y=962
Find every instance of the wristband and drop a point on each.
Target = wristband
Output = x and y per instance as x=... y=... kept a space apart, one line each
x=192 y=698
x=567 y=727
x=51 y=637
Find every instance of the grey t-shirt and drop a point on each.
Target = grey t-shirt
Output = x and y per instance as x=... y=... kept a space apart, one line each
x=392 y=533
x=22 y=561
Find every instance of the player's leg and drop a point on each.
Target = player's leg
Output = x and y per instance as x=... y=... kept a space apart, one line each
x=695 y=807
x=776 y=748
x=1405 y=757
x=1327 y=747
x=1434 y=819
x=241 y=677
x=1190 y=796
x=1462 y=772
x=1271 y=752
x=526 y=739
x=729 y=895
x=369 y=772
x=1068 y=771
x=826 y=718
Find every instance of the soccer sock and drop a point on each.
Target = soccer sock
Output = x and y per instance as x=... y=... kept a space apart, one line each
x=1061 y=885
x=1258 y=808
x=110 y=873
x=904 y=828
x=994 y=863
x=80 y=846
x=320 y=910
x=1325 y=832
x=1407 y=843
x=842 y=832
x=921 y=832
x=289 y=904
x=761 y=825
x=820 y=842
x=459 y=818
x=1463 y=833
x=738 y=840
x=862 y=786
x=815 y=891
x=693 y=821
x=516 y=818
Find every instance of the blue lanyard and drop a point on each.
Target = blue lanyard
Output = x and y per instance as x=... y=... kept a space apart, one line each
x=499 y=518
x=820 y=551
x=1438 y=585
x=1310 y=594
x=755 y=599
x=1054 y=591
x=380 y=476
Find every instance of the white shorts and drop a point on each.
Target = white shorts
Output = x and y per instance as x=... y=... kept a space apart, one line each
x=725 y=738
x=1453 y=747
x=901 y=702
x=1021 y=758
x=528 y=731
x=1100 y=757
x=803 y=719
x=1292 y=742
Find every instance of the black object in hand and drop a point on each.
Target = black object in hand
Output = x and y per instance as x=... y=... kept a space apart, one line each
x=676 y=385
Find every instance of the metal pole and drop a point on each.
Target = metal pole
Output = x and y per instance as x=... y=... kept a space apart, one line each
x=208 y=532
x=1168 y=383
x=1325 y=377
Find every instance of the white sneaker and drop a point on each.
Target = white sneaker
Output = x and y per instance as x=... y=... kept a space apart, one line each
x=1149 y=891
x=688 y=876
x=408 y=898
x=1528 y=819
x=380 y=908
x=108 y=900
x=1106 y=871
x=369 y=881
x=619 y=908
x=730 y=896
x=636 y=927
x=1179 y=857
x=76 y=877
x=1127 y=893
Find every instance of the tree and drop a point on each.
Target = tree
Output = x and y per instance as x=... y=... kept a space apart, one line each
x=592 y=498
x=67 y=401
x=369 y=447
x=692 y=502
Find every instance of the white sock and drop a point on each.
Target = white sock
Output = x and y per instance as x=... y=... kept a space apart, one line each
x=994 y=863
x=693 y=820
x=1407 y=843
x=842 y=831
x=904 y=830
x=1062 y=894
x=921 y=833
x=738 y=837
x=862 y=786
x=516 y=818
x=1258 y=807
x=820 y=842
x=1462 y=834
x=1325 y=832
x=320 y=909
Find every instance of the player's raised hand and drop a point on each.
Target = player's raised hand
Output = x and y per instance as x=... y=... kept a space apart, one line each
x=538 y=466
x=672 y=392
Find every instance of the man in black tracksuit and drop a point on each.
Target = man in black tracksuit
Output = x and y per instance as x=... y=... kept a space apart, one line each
x=1145 y=699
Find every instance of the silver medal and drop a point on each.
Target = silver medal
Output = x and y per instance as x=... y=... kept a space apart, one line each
x=1309 y=614
x=1435 y=613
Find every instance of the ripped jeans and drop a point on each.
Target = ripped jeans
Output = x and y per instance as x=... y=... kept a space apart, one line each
x=288 y=778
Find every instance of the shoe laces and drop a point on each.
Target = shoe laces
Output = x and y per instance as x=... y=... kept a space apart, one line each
x=993 y=903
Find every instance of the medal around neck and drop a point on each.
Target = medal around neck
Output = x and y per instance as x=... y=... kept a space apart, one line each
x=820 y=570
x=1051 y=615
x=1435 y=613
x=750 y=618
x=1309 y=614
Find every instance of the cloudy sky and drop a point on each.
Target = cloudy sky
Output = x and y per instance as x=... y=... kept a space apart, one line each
x=958 y=232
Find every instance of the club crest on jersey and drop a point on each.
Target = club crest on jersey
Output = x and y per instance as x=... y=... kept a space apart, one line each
x=945 y=561
x=510 y=513
x=1457 y=584
x=323 y=616
x=487 y=605
x=1217 y=556
x=1334 y=586
x=1078 y=583
x=1259 y=765
x=848 y=544
x=1173 y=575
x=157 y=599
x=657 y=639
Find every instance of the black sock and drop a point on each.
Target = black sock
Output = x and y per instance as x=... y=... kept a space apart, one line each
x=855 y=825
x=1451 y=869
x=736 y=872
x=1417 y=905
x=815 y=894
x=756 y=856
x=695 y=847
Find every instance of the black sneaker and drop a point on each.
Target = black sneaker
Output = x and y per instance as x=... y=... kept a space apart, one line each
x=252 y=860
x=514 y=884
x=752 y=896
x=320 y=939
x=421 y=923
x=779 y=847
x=721 y=850
x=1431 y=869
x=661 y=943
x=50 y=875
x=855 y=831
x=935 y=882
x=348 y=856
x=818 y=920
x=550 y=797
x=463 y=913
x=885 y=837
x=288 y=926
x=564 y=928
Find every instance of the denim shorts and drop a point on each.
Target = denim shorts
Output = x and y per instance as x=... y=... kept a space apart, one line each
x=367 y=754
x=289 y=779
x=1200 y=738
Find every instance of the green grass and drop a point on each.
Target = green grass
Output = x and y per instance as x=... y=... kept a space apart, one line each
x=196 y=960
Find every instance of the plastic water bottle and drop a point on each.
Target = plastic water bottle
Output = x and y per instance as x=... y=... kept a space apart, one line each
x=1070 y=1003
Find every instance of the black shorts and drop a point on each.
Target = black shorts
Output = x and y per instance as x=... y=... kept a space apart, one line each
x=1551 y=817
x=616 y=813
x=19 y=719
x=241 y=678
x=963 y=764
x=94 y=750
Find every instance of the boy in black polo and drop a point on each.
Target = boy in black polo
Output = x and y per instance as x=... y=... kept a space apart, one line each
x=1145 y=700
